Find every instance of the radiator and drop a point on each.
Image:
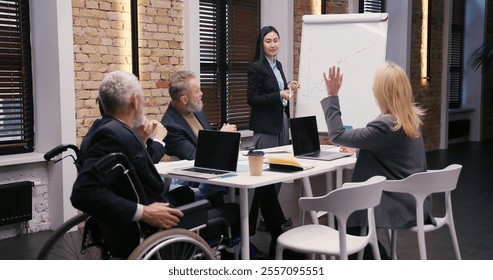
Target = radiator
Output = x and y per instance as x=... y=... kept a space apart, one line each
x=16 y=202
x=458 y=128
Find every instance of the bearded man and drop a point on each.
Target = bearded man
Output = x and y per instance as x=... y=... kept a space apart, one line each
x=183 y=119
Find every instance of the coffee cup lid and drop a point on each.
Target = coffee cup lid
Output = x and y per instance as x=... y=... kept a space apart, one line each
x=255 y=153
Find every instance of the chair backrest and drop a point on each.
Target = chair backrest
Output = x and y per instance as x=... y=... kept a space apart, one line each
x=344 y=201
x=422 y=184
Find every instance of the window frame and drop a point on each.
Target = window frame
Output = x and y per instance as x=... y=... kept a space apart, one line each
x=16 y=84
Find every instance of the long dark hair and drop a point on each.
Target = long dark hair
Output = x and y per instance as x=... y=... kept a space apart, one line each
x=259 y=49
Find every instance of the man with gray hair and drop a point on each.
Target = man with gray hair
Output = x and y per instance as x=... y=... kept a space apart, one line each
x=121 y=97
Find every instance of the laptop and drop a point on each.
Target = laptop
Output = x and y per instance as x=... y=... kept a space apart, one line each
x=306 y=142
x=216 y=155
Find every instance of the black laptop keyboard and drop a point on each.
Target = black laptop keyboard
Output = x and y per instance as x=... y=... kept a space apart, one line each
x=207 y=171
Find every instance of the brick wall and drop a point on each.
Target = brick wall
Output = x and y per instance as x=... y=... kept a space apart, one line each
x=301 y=8
x=102 y=43
x=428 y=94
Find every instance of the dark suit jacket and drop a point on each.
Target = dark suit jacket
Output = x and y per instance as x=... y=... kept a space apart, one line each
x=113 y=205
x=264 y=99
x=156 y=150
x=106 y=136
x=181 y=142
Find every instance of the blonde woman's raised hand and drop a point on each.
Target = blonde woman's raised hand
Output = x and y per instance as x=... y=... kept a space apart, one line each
x=333 y=81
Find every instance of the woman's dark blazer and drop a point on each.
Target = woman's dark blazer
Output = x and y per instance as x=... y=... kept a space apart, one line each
x=263 y=96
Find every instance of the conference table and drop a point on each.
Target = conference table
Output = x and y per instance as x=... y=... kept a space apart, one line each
x=243 y=181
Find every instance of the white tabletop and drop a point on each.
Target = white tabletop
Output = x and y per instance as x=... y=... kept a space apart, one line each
x=243 y=181
x=242 y=178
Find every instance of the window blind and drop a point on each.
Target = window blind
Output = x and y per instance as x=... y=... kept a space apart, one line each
x=456 y=54
x=371 y=6
x=16 y=104
x=228 y=31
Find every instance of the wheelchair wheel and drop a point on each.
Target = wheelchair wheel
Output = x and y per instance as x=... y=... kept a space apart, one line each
x=67 y=244
x=173 y=244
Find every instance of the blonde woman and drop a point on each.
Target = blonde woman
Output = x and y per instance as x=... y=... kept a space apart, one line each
x=390 y=145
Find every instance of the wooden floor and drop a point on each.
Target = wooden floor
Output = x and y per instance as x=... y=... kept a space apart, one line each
x=472 y=203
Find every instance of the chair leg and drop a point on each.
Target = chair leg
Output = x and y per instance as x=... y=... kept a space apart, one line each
x=421 y=231
x=375 y=249
x=392 y=235
x=279 y=251
x=374 y=244
x=330 y=187
x=362 y=233
x=453 y=235
x=454 y=241
x=451 y=225
x=302 y=212
x=307 y=190
x=422 y=245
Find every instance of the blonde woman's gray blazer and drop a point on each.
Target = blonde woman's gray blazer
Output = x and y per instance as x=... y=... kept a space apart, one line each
x=381 y=151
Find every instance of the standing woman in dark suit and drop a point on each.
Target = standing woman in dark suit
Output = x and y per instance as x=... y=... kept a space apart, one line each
x=268 y=95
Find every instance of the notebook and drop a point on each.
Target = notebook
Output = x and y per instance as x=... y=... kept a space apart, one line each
x=306 y=142
x=216 y=155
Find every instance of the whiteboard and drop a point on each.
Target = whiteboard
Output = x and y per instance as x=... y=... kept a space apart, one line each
x=354 y=42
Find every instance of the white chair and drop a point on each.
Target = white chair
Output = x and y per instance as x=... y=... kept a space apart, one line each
x=421 y=185
x=324 y=240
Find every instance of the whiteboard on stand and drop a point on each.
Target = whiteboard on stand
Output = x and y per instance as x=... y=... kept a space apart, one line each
x=354 y=42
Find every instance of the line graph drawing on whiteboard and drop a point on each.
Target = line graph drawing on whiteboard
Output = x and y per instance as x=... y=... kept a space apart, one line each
x=354 y=42
x=347 y=64
x=314 y=92
x=352 y=57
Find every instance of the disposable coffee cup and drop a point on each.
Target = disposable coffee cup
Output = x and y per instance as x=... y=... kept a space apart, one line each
x=255 y=162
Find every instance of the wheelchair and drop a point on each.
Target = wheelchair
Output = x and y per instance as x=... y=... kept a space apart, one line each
x=82 y=238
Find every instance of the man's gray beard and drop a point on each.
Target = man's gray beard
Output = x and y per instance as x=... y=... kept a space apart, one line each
x=195 y=107
x=139 y=119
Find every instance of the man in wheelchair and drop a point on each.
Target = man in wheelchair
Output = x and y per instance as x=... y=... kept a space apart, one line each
x=127 y=212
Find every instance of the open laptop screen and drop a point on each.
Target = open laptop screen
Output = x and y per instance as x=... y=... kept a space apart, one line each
x=217 y=150
x=304 y=134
